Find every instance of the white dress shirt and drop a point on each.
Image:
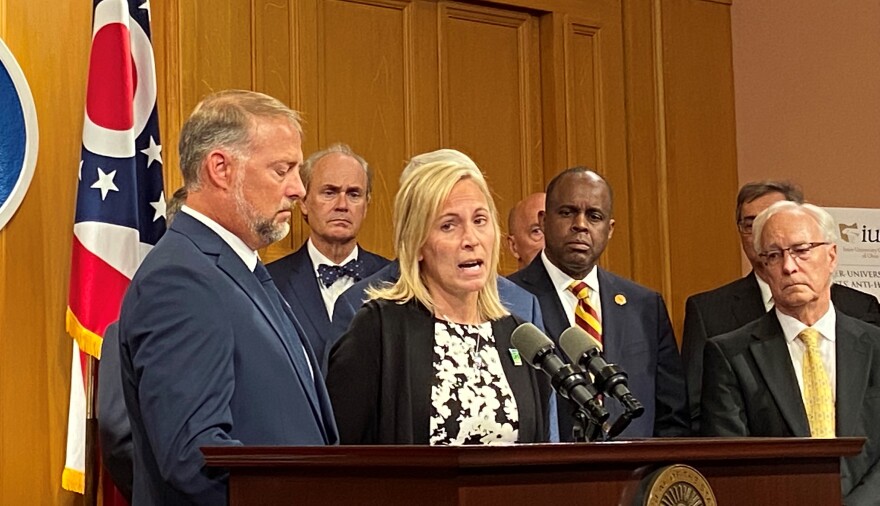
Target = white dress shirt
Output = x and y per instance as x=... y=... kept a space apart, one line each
x=332 y=292
x=561 y=281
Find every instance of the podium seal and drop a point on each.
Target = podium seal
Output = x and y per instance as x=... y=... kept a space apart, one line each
x=679 y=485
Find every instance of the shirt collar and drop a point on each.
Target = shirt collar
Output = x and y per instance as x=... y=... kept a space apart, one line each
x=766 y=294
x=561 y=281
x=319 y=258
x=825 y=325
x=247 y=255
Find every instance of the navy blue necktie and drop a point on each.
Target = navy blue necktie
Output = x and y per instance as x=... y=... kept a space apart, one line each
x=330 y=273
x=297 y=348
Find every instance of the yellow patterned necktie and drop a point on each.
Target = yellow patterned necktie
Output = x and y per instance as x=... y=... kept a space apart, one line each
x=817 y=387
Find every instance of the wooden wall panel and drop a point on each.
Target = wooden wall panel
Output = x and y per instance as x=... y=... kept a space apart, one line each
x=490 y=98
x=216 y=47
x=595 y=116
x=50 y=40
x=584 y=92
x=645 y=146
x=700 y=147
x=362 y=98
x=165 y=25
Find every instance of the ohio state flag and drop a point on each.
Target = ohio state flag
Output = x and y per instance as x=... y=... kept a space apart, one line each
x=120 y=203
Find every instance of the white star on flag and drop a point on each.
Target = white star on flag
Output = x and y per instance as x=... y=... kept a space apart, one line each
x=79 y=174
x=146 y=6
x=153 y=152
x=105 y=183
x=159 y=206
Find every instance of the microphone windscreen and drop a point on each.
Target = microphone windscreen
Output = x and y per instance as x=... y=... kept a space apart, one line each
x=529 y=340
x=575 y=342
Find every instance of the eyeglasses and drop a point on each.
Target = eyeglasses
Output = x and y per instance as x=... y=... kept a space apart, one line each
x=745 y=225
x=797 y=251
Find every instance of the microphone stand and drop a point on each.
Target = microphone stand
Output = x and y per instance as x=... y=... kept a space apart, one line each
x=606 y=380
x=590 y=415
x=586 y=429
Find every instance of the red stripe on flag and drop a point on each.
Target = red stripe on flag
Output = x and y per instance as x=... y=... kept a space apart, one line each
x=111 y=78
x=96 y=289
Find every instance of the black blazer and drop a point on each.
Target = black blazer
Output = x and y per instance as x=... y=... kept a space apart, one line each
x=735 y=304
x=637 y=336
x=750 y=389
x=294 y=275
x=381 y=371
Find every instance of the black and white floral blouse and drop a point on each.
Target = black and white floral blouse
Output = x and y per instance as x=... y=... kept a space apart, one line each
x=471 y=399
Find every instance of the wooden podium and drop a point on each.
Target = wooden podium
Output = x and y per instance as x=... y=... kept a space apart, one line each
x=752 y=471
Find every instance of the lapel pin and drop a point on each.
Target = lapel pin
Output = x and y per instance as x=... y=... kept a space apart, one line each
x=514 y=354
x=620 y=299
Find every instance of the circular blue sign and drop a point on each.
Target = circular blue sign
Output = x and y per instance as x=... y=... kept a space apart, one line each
x=18 y=135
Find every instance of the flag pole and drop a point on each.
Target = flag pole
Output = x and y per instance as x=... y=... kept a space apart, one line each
x=92 y=463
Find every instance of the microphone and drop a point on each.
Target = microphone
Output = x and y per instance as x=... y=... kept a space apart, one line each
x=538 y=350
x=609 y=378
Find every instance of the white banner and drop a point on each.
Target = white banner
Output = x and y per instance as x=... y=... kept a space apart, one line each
x=858 y=263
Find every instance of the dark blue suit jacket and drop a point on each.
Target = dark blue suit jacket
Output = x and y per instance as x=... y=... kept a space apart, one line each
x=637 y=336
x=113 y=426
x=295 y=277
x=206 y=359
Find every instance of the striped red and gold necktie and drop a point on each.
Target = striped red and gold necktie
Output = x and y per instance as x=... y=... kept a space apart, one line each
x=585 y=315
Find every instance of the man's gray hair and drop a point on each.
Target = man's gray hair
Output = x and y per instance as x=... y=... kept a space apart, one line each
x=225 y=120
x=305 y=172
x=826 y=223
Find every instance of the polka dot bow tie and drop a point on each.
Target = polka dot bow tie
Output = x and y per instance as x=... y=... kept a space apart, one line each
x=330 y=273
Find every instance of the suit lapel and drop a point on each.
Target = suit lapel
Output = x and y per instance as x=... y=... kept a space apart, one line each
x=308 y=304
x=852 y=368
x=771 y=355
x=307 y=374
x=613 y=337
x=233 y=266
x=747 y=304
x=538 y=282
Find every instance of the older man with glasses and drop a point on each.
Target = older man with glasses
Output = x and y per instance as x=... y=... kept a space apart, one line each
x=804 y=369
x=735 y=304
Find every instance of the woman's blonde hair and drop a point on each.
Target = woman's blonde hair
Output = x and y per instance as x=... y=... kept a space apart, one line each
x=416 y=206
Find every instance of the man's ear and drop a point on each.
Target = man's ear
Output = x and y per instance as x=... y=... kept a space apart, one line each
x=304 y=206
x=511 y=243
x=832 y=255
x=610 y=227
x=220 y=169
x=541 y=215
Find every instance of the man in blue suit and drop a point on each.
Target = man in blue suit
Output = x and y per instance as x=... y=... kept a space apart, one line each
x=209 y=353
x=635 y=329
x=338 y=185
